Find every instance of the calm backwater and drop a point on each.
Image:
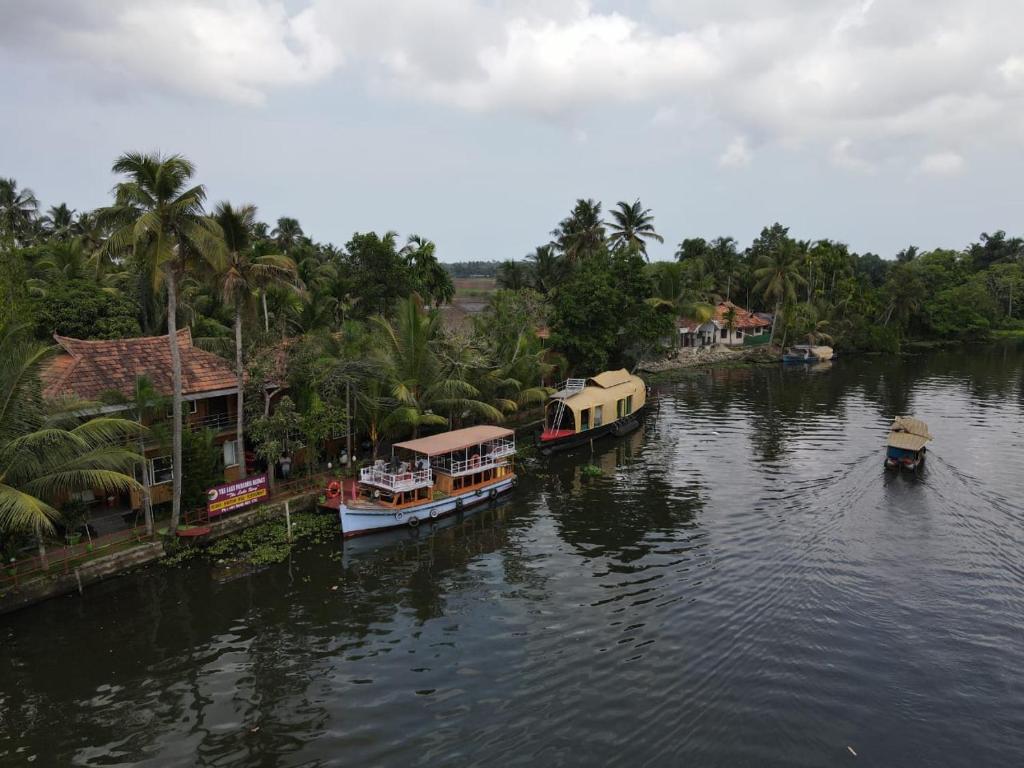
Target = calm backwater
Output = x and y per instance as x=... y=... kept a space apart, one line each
x=745 y=585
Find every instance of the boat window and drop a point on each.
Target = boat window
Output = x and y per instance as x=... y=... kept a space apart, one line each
x=629 y=404
x=620 y=408
x=584 y=419
x=598 y=415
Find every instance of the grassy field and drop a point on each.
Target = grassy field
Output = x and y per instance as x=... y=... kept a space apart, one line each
x=474 y=287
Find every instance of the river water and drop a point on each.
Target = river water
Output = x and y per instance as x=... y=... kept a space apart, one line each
x=744 y=585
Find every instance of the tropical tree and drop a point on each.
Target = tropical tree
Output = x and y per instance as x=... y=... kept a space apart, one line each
x=429 y=278
x=159 y=220
x=778 y=277
x=581 y=234
x=242 y=274
x=632 y=226
x=47 y=455
x=18 y=210
x=548 y=270
x=777 y=263
x=513 y=275
x=58 y=221
x=287 y=234
x=422 y=383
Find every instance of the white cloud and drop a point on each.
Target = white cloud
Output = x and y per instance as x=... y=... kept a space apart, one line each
x=844 y=156
x=942 y=164
x=888 y=78
x=737 y=154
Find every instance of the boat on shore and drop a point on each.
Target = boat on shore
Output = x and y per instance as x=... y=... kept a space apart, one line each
x=582 y=410
x=426 y=479
x=906 y=446
x=807 y=353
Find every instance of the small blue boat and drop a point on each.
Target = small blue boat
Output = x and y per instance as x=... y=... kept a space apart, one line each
x=807 y=353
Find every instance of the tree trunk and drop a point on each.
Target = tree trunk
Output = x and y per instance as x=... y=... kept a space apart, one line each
x=348 y=418
x=147 y=502
x=775 y=319
x=240 y=402
x=266 y=316
x=172 y=335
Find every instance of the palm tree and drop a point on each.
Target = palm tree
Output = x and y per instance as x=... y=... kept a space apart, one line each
x=419 y=380
x=432 y=279
x=160 y=221
x=548 y=269
x=18 y=211
x=778 y=277
x=43 y=457
x=287 y=234
x=512 y=275
x=58 y=221
x=242 y=274
x=581 y=234
x=632 y=225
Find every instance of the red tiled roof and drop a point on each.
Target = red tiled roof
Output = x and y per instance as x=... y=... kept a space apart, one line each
x=744 y=319
x=87 y=369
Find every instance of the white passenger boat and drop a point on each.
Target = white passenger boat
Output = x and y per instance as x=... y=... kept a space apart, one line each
x=428 y=478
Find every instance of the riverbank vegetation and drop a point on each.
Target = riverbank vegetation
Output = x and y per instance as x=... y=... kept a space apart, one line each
x=362 y=336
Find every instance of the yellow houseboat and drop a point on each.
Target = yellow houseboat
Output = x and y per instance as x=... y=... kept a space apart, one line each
x=581 y=410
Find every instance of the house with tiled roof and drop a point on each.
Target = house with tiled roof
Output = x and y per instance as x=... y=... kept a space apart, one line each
x=104 y=374
x=730 y=325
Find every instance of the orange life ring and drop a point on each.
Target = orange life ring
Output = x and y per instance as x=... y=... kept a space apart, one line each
x=333 y=489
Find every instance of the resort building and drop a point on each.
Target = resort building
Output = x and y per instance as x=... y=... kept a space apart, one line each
x=730 y=326
x=105 y=374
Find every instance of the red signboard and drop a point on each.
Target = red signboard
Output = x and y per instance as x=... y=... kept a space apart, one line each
x=232 y=496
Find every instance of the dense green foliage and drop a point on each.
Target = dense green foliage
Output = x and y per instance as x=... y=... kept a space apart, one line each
x=359 y=335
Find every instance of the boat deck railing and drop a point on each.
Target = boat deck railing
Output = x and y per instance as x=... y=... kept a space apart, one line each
x=494 y=453
x=407 y=480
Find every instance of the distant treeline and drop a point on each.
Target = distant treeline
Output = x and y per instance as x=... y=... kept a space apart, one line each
x=473 y=268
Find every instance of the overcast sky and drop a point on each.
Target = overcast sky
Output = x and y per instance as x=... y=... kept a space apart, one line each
x=477 y=123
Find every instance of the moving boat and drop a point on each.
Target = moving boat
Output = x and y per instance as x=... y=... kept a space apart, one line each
x=582 y=410
x=906 y=447
x=807 y=353
x=426 y=479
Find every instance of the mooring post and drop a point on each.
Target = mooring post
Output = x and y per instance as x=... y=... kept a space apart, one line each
x=288 y=520
x=78 y=578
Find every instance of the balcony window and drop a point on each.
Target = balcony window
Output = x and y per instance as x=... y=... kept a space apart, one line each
x=187 y=407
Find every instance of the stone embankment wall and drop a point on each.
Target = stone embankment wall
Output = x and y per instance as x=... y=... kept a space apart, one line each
x=698 y=357
x=125 y=560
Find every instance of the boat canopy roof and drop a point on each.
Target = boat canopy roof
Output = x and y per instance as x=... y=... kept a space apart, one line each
x=908 y=433
x=610 y=379
x=456 y=440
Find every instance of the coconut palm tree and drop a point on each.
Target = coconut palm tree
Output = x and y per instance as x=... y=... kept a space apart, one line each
x=432 y=279
x=287 y=234
x=581 y=234
x=18 y=211
x=632 y=226
x=242 y=274
x=159 y=220
x=778 y=277
x=58 y=221
x=423 y=384
x=46 y=456
x=548 y=269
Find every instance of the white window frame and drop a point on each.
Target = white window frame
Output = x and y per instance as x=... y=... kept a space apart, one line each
x=152 y=469
x=234 y=450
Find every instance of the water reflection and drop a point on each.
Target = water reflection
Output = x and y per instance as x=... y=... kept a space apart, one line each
x=742 y=565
